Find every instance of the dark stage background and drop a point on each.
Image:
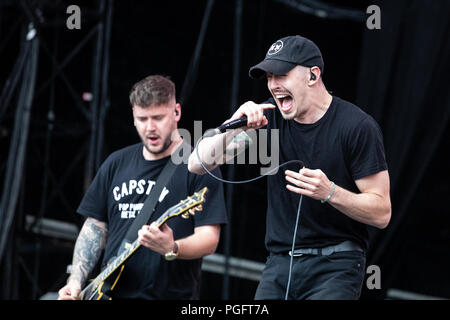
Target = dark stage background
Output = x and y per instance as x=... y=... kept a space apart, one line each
x=52 y=139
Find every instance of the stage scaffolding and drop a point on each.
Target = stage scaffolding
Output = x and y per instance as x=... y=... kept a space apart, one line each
x=39 y=111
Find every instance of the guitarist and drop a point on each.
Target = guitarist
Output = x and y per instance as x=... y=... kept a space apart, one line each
x=169 y=264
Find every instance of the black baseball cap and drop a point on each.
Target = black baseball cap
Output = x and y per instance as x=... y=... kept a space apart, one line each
x=286 y=53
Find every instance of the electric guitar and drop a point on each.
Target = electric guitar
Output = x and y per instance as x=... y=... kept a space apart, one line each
x=107 y=280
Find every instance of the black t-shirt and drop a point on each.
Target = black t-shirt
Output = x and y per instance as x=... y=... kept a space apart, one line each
x=347 y=145
x=116 y=196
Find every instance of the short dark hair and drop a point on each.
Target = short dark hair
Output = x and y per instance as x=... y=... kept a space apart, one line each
x=153 y=90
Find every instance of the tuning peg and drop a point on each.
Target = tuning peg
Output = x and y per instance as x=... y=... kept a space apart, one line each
x=199 y=207
x=185 y=215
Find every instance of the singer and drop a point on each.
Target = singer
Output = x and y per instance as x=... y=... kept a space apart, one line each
x=344 y=184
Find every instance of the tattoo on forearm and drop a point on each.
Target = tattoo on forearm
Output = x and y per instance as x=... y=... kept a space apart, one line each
x=88 y=248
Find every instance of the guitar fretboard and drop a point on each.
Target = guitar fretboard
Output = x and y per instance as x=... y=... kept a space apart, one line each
x=181 y=208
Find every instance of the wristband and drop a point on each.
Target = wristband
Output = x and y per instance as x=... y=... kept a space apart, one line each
x=331 y=193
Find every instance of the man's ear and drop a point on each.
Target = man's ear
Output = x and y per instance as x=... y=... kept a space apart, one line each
x=314 y=75
x=178 y=111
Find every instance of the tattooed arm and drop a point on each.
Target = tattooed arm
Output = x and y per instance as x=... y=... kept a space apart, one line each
x=88 y=248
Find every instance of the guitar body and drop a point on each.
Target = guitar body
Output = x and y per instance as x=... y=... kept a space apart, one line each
x=104 y=291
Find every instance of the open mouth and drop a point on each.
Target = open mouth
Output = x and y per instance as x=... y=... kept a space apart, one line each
x=153 y=139
x=285 y=102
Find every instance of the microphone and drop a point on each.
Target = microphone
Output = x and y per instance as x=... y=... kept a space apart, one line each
x=234 y=124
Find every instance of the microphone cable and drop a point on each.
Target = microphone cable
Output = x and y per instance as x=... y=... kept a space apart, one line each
x=293 y=247
x=254 y=179
x=242 y=181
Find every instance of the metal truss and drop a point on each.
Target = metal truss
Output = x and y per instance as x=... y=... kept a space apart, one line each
x=50 y=122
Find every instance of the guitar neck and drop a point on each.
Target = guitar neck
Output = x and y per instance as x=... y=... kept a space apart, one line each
x=118 y=261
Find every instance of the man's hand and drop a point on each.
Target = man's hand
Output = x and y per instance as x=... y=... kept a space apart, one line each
x=70 y=291
x=159 y=240
x=371 y=206
x=311 y=183
x=254 y=113
x=216 y=150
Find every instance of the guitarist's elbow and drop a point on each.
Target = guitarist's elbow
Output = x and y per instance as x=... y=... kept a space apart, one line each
x=214 y=237
x=212 y=248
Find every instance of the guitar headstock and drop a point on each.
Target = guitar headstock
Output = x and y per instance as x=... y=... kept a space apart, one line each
x=186 y=207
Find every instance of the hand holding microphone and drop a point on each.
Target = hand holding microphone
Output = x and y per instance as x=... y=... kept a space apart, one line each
x=249 y=116
x=233 y=124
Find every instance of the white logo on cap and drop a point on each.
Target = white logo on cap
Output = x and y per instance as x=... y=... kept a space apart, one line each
x=275 y=48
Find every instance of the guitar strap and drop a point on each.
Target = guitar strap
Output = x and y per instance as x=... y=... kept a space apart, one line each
x=150 y=204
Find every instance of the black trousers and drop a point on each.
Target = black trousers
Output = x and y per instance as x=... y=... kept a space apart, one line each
x=338 y=276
